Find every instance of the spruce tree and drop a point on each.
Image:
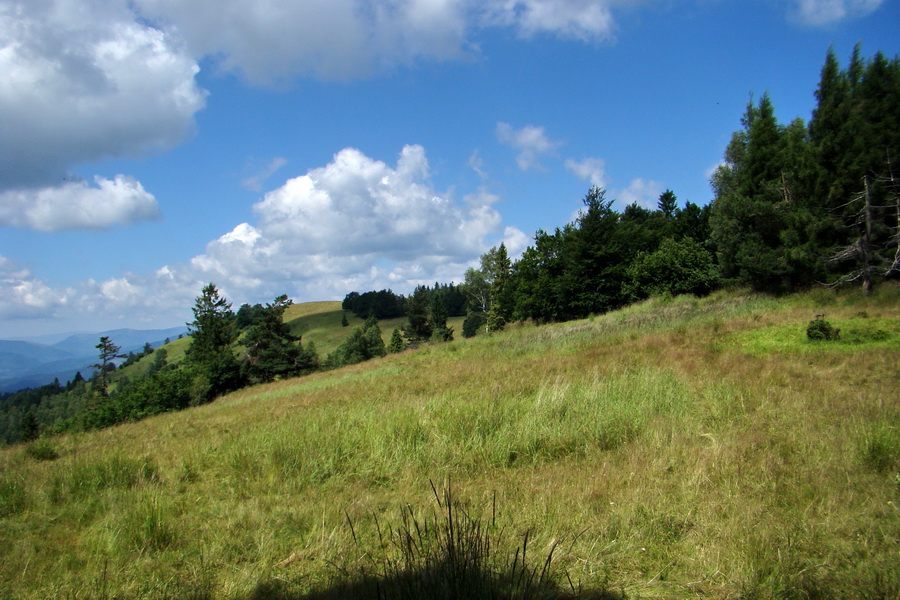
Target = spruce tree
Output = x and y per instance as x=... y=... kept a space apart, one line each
x=397 y=344
x=501 y=307
x=440 y=331
x=272 y=350
x=668 y=204
x=213 y=333
x=108 y=352
x=418 y=309
x=751 y=201
x=30 y=428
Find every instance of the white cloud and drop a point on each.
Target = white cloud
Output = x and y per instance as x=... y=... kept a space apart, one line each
x=516 y=242
x=83 y=80
x=355 y=221
x=255 y=182
x=476 y=163
x=641 y=192
x=22 y=296
x=585 y=20
x=272 y=40
x=589 y=169
x=825 y=12
x=77 y=205
x=354 y=224
x=531 y=143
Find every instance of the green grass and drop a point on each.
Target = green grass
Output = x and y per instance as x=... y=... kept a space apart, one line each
x=855 y=333
x=320 y=322
x=669 y=450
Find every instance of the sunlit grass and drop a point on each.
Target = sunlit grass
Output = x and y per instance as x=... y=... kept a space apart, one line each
x=662 y=450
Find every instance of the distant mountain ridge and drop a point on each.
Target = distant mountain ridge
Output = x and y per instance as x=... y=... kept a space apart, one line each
x=31 y=363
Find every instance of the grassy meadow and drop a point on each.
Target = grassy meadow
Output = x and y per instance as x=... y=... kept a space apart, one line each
x=679 y=448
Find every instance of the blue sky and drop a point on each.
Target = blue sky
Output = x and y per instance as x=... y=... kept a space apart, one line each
x=317 y=147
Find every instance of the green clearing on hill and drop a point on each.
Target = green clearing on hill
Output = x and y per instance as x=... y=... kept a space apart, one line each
x=678 y=448
x=317 y=322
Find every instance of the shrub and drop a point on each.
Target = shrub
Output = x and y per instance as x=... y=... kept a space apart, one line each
x=41 y=449
x=821 y=330
x=363 y=344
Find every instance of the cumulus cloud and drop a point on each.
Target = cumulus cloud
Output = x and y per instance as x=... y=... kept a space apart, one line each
x=826 y=12
x=22 y=296
x=354 y=220
x=272 y=40
x=589 y=169
x=641 y=192
x=354 y=224
x=83 y=81
x=531 y=143
x=585 y=20
x=77 y=205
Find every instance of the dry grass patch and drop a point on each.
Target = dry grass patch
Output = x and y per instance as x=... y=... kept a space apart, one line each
x=652 y=448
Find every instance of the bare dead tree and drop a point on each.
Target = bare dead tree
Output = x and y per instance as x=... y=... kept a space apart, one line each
x=868 y=253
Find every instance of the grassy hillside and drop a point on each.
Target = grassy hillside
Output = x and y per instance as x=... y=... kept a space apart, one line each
x=317 y=322
x=683 y=448
x=320 y=322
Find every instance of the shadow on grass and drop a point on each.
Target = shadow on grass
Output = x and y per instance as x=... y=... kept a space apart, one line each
x=445 y=555
x=426 y=585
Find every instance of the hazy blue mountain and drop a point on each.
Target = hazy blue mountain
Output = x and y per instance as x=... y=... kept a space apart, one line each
x=17 y=356
x=30 y=364
x=131 y=340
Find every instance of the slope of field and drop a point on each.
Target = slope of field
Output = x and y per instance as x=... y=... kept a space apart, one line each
x=320 y=323
x=683 y=448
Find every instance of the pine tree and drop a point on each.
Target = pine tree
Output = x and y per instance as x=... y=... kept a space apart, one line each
x=108 y=352
x=753 y=197
x=418 y=309
x=397 y=344
x=213 y=332
x=500 y=311
x=272 y=350
x=30 y=428
x=440 y=331
x=668 y=204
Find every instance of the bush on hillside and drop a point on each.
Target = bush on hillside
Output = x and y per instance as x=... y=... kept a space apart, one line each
x=820 y=330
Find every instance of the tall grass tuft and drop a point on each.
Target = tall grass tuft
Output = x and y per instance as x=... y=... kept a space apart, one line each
x=451 y=554
x=880 y=448
x=13 y=496
x=85 y=478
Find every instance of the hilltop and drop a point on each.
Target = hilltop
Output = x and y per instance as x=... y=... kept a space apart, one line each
x=676 y=448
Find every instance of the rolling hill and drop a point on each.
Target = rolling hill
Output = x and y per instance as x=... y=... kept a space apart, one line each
x=679 y=448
